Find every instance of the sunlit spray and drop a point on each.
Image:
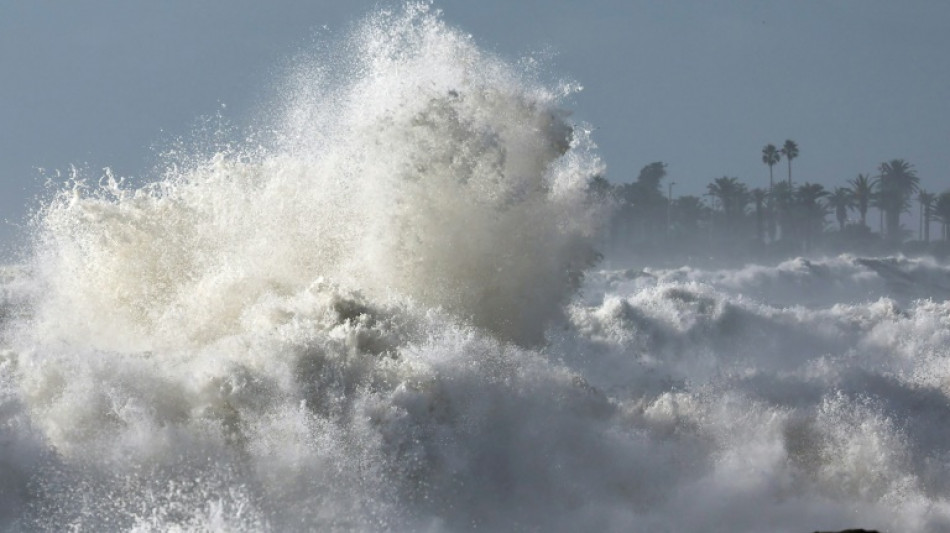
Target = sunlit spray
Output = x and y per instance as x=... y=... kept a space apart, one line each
x=379 y=310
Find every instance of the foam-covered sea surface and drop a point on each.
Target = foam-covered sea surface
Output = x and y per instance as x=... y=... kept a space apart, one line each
x=384 y=311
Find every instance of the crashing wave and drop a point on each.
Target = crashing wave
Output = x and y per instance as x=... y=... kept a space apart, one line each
x=368 y=320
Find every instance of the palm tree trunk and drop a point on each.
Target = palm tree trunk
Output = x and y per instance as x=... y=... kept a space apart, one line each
x=893 y=224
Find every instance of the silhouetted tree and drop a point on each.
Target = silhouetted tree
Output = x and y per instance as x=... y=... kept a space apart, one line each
x=862 y=189
x=841 y=200
x=895 y=186
x=782 y=199
x=811 y=211
x=770 y=156
x=651 y=175
x=786 y=216
x=690 y=213
x=643 y=205
x=732 y=197
x=790 y=151
x=926 y=201
x=941 y=212
x=877 y=202
x=760 y=196
x=771 y=219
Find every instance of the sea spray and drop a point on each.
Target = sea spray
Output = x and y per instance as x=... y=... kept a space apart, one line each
x=291 y=286
x=438 y=174
x=365 y=319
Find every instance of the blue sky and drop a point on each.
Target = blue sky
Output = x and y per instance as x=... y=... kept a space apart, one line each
x=701 y=85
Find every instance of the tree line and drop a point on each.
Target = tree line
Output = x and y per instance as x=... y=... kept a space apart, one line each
x=785 y=218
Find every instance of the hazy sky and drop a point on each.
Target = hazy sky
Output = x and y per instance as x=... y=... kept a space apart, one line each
x=701 y=85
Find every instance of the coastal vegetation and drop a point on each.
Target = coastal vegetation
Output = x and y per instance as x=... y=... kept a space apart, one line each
x=734 y=220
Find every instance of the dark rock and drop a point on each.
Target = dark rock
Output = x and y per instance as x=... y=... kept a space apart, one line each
x=851 y=531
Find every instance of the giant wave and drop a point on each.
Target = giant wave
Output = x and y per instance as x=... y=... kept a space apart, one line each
x=380 y=314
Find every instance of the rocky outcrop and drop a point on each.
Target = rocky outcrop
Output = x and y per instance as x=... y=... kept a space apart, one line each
x=851 y=531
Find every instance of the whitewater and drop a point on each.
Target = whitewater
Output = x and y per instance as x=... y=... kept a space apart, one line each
x=386 y=309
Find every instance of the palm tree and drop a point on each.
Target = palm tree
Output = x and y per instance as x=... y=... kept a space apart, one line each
x=689 y=212
x=770 y=156
x=877 y=201
x=941 y=212
x=811 y=211
x=781 y=200
x=926 y=200
x=651 y=175
x=862 y=189
x=790 y=151
x=643 y=205
x=841 y=200
x=733 y=197
x=759 y=196
x=896 y=184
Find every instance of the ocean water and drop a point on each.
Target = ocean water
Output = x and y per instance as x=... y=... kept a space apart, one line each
x=383 y=311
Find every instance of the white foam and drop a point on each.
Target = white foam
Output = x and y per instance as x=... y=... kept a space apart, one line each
x=367 y=321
